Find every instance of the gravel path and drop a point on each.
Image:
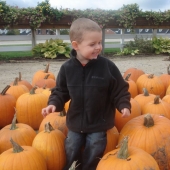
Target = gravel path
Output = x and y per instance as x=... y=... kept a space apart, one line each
x=155 y=65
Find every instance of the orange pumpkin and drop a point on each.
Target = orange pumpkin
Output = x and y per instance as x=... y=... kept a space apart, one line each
x=112 y=139
x=133 y=90
x=135 y=111
x=144 y=98
x=152 y=83
x=23 y=134
x=29 y=106
x=23 y=82
x=47 y=82
x=7 y=105
x=57 y=120
x=40 y=74
x=151 y=133
x=157 y=106
x=127 y=158
x=166 y=98
x=22 y=158
x=135 y=73
x=17 y=90
x=52 y=147
x=166 y=77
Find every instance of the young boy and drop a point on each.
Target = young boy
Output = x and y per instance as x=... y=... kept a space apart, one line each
x=96 y=88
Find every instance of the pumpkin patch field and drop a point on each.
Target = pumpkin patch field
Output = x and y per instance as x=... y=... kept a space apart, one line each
x=28 y=141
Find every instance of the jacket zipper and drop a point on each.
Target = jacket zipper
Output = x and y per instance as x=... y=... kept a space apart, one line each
x=83 y=78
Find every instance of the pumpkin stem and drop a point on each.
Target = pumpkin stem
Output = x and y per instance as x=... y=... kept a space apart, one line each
x=47 y=68
x=63 y=113
x=151 y=76
x=168 y=69
x=145 y=92
x=48 y=127
x=156 y=99
x=46 y=76
x=13 y=125
x=5 y=90
x=16 y=148
x=148 y=121
x=15 y=83
x=123 y=151
x=32 y=91
x=127 y=77
x=73 y=166
x=19 y=78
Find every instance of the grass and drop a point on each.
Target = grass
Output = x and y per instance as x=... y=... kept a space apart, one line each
x=22 y=54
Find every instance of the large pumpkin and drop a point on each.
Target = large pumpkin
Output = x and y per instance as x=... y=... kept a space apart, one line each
x=40 y=74
x=127 y=158
x=52 y=147
x=21 y=133
x=151 y=133
x=135 y=73
x=7 y=105
x=135 y=111
x=152 y=83
x=22 y=158
x=29 y=108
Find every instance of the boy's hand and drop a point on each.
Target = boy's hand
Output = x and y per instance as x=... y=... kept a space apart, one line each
x=47 y=110
x=125 y=112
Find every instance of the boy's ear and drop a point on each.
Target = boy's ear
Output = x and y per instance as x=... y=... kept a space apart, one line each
x=74 y=45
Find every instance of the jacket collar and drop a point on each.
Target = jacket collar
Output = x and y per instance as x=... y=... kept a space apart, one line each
x=73 y=55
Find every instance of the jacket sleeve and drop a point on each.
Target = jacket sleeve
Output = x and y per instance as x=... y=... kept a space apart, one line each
x=120 y=96
x=59 y=94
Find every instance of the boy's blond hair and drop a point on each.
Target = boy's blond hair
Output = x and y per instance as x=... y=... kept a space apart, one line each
x=81 y=25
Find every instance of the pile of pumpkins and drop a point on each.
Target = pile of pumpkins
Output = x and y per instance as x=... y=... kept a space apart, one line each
x=30 y=142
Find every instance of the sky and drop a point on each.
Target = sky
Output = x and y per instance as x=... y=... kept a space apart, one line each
x=144 y=5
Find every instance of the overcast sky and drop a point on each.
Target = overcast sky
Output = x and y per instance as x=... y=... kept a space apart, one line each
x=154 y=5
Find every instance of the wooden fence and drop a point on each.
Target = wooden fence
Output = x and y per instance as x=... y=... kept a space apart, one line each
x=24 y=42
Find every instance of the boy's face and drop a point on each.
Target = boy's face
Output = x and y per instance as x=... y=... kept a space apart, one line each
x=90 y=47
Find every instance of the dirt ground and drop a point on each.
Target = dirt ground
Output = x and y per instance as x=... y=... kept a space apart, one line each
x=9 y=70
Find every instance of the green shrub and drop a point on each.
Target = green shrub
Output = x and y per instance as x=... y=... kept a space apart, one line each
x=161 y=45
x=144 y=45
x=51 y=49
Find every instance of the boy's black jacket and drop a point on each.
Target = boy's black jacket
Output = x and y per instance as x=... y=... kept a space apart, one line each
x=95 y=90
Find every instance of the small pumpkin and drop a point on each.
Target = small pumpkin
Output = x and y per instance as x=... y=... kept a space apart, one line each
x=46 y=81
x=133 y=90
x=22 y=158
x=40 y=74
x=57 y=120
x=17 y=90
x=23 y=82
x=157 y=106
x=144 y=98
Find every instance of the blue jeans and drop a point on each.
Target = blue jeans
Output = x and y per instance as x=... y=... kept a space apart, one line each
x=85 y=148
